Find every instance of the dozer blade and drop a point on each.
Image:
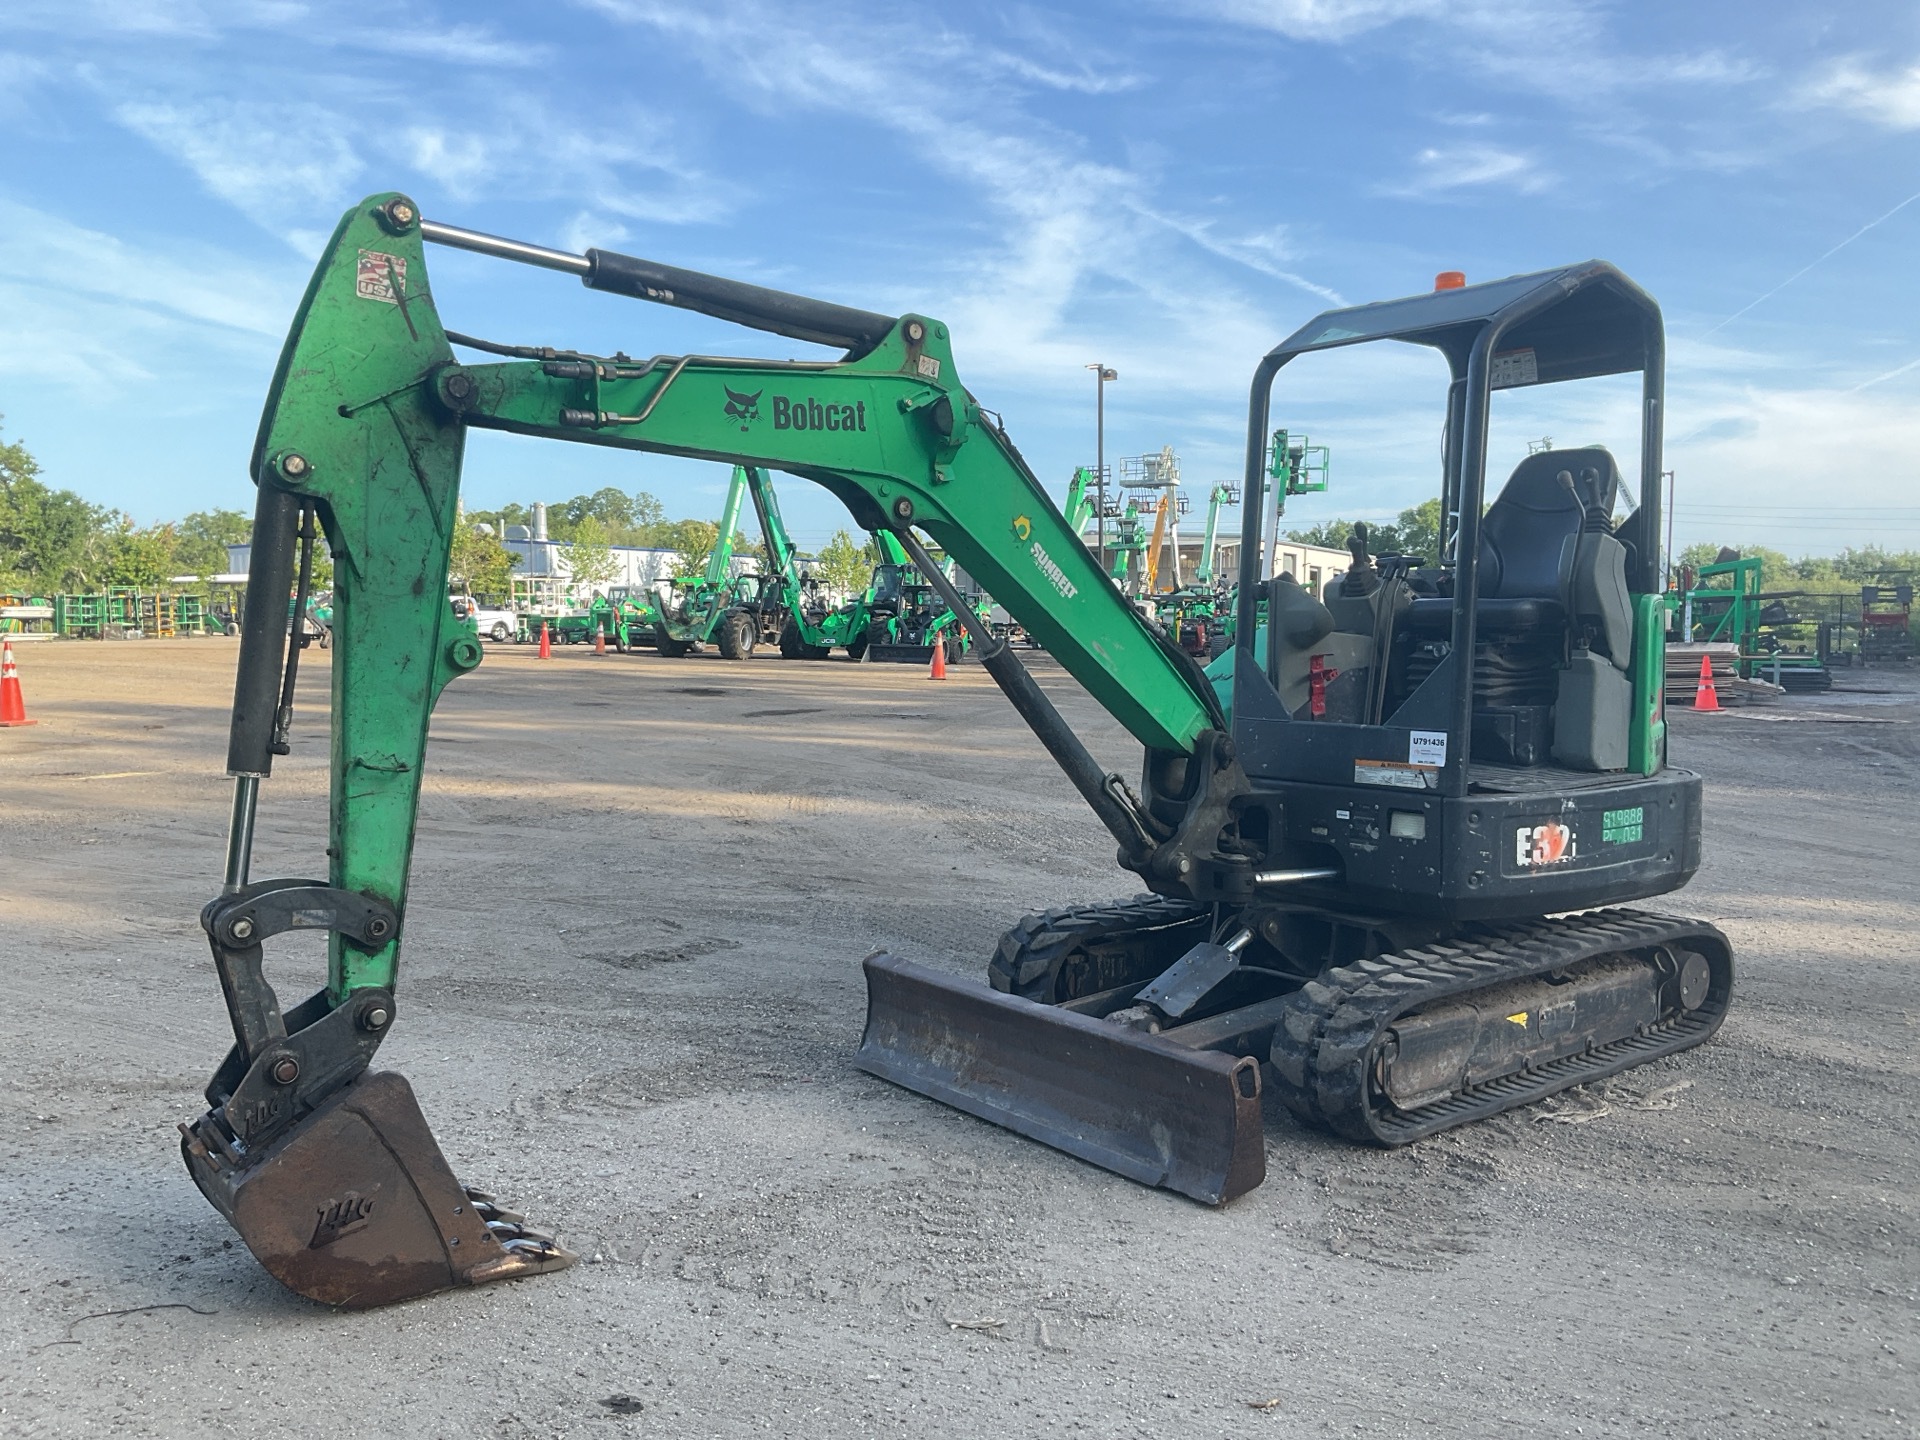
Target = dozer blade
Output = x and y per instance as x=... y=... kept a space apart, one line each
x=1141 y=1106
x=355 y=1206
x=900 y=654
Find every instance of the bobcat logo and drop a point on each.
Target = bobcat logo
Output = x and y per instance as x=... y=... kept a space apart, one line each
x=742 y=407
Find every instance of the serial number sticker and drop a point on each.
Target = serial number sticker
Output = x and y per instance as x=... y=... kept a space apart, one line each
x=1513 y=367
x=1623 y=827
x=1427 y=747
x=1549 y=844
x=374 y=278
x=1401 y=777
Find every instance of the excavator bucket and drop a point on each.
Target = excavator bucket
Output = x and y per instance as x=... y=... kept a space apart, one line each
x=355 y=1206
x=1149 y=1108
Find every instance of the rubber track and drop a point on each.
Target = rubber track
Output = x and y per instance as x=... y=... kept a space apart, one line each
x=1028 y=958
x=1324 y=1046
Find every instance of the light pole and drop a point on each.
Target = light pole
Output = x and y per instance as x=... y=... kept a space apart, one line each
x=1101 y=375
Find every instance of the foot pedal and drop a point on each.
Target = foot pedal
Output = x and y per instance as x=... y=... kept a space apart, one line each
x=355 y=1206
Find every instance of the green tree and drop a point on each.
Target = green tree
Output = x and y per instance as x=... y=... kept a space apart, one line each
x=201 y=541
x=612 y=508
x=692 y=542
x=480 y=563
x=1418 y=532
x=1415 y=531
x=140 y=558
x=590 y=557
x=844 y=565
x=49 y=539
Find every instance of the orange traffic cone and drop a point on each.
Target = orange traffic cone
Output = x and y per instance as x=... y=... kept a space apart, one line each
x=546 y=642
x=599 y=640
x=938 y=670
x=1705 y=697
x=13 y=705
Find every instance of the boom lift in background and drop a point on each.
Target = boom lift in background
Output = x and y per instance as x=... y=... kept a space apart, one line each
x=1195 y=613
x=1344 y=886
x=1081 y=499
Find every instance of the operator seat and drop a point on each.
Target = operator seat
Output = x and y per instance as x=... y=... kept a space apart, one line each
x=1525 y=552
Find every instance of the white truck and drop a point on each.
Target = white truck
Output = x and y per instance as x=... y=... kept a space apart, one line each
x=492 y=622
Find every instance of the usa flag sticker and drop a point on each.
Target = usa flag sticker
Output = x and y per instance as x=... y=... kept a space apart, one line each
x=376 y=276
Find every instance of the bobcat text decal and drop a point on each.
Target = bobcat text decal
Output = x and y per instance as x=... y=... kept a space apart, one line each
x=803 y=414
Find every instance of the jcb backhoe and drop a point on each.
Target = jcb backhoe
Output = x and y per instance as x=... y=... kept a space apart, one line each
x=896 y=618
x=807 y=629
x=692 y=610
x=1351 y=866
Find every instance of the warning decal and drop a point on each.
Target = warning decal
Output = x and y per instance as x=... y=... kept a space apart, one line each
x=1401 y=777
x=1514 y=367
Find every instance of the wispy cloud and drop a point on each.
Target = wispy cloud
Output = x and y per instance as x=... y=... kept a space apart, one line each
x=454 y=45
x=1082 y=80
x=1019 y=299
x=1266 y=251
x=1322 y=19
x=1885 y=376
x=84 y=307
x=1441 y=169
x=268 y=161
x=1564 y=49
x=1889 y=97
x=1812 y=264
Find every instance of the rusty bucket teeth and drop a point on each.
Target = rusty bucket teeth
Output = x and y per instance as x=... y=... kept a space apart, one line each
x=355 y=1206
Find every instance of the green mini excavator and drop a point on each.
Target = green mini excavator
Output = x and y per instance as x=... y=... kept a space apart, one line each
x=1373 y=852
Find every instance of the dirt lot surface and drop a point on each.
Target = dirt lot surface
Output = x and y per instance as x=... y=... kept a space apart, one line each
x=630 y=1000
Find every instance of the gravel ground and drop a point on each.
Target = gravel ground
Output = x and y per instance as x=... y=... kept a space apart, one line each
x=630 y=1000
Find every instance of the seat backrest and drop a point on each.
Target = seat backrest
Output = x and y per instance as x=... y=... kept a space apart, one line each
x=1525 y=529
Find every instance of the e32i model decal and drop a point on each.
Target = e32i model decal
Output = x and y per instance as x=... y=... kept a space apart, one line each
x=1548 y=844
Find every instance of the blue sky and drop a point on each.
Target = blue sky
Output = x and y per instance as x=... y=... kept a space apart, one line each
x=1168 y=186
